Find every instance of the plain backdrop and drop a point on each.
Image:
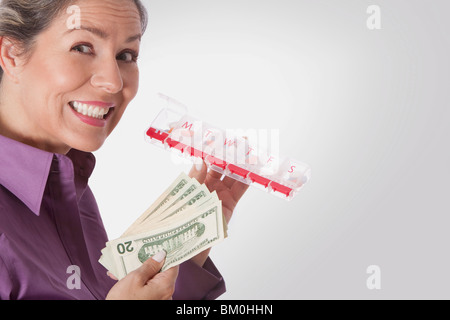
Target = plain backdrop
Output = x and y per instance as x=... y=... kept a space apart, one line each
x=368 y=110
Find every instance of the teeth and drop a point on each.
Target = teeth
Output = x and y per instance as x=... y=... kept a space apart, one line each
x=88 y=110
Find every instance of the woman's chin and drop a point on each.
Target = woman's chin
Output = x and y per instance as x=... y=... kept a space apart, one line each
x=88 y=146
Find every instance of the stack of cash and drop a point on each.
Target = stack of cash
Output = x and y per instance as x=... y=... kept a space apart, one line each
x=184 y=221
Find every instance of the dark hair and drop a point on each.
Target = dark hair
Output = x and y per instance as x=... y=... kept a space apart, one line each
x=23 y=20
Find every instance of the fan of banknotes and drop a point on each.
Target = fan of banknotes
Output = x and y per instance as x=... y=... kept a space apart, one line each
x=184 y=221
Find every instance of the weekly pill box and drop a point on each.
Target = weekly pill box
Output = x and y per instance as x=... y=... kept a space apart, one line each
x=235 y=156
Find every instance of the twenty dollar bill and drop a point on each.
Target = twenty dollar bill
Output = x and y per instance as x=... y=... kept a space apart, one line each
x=182 y=230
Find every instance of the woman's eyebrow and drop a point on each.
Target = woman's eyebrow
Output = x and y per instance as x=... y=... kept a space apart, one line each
x=102 y=34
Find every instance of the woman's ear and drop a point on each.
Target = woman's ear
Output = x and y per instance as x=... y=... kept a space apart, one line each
x=9 y=58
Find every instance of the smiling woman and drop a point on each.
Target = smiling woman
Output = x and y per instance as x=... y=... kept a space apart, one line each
x=63 y=90
x=93 y=66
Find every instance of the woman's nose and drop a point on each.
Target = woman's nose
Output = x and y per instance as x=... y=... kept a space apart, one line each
x=108 y=77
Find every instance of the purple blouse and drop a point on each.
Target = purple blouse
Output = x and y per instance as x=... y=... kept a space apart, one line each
x=51 y=232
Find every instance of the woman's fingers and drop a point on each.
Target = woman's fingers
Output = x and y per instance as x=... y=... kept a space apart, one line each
x=228 y=182
x=112 y=276
x=163 y=284
x=199 y=172
x=150 y=268
x=238 y=190
x=146 y=282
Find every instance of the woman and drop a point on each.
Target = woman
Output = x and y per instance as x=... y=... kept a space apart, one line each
x=68 y=71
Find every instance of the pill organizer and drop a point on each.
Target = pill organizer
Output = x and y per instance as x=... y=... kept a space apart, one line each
x=235 y=156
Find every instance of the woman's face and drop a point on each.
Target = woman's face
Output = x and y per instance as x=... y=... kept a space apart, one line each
x=77 y=83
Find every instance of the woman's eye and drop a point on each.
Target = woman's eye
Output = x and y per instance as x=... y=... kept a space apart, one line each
x=127 y=57
x=83 y=48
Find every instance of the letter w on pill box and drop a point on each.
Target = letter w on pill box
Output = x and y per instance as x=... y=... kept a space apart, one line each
x=236 y=156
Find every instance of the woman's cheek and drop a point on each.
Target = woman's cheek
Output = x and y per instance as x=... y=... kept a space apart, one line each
x=71 y=75
x=131 y=82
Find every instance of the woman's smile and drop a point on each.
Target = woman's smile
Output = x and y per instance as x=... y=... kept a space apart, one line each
x=94 y=113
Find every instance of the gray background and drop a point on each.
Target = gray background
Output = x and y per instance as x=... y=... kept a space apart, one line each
x=368 y=110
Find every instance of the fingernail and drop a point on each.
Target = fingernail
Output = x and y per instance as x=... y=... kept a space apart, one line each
x=199 y=166
x=160 y=256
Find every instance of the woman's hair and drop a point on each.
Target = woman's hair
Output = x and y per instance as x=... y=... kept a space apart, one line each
x=23 y=20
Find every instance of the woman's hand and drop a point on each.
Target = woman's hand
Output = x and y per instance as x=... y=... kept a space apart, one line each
x=146 y=282
x=229 y=190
